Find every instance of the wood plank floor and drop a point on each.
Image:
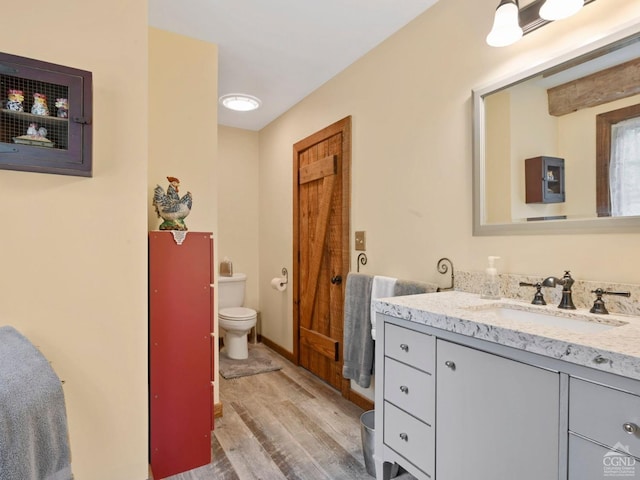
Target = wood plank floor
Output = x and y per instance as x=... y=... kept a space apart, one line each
x=284 y=425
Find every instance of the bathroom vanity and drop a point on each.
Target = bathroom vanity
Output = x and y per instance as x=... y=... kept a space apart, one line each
x=497 y=390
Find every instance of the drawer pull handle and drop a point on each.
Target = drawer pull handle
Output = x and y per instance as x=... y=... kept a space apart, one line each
x=404 y=436
x=404 y=389
x=450 y=364
x=630 y=428
x=404 y=346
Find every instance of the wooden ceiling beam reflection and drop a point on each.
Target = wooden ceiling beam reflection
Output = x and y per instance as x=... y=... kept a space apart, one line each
x=598 y=88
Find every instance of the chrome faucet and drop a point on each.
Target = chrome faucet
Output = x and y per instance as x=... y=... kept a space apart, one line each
x=567 y=282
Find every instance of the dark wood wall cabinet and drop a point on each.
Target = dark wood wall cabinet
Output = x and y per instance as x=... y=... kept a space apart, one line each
x=544 y=180
x=45 y=117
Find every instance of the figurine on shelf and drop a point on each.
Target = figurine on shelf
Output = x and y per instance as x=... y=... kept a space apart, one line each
x=39 y=104
x=62 y=104
x=15 y=99
x=35 y=136
x=171 y=207
x=37 y=133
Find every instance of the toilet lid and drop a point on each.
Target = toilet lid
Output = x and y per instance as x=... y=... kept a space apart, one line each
x=237 y=313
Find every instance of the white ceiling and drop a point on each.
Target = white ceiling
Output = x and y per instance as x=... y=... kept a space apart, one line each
x=282 y=50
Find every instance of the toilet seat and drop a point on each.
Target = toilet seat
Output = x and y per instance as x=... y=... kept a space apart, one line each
x=236 y=314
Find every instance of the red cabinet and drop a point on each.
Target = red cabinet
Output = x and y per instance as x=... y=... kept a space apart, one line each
x=180 y=351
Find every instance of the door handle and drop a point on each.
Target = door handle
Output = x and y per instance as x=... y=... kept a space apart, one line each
x=336 y=280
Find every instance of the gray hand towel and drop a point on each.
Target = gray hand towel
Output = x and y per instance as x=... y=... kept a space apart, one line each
x=358 y=346
x=409 y=287
x=34 y=442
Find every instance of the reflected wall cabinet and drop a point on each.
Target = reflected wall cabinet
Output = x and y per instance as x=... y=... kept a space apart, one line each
x=45 y=117
x=544 y=177
x=180 y=352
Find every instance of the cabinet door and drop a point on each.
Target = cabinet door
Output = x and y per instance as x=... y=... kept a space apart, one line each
x=496 y=419
x=180 y=278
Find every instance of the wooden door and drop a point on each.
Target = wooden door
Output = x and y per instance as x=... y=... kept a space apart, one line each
x=322 y=171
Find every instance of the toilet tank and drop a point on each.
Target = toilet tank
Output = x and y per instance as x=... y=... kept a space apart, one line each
x=231 y=290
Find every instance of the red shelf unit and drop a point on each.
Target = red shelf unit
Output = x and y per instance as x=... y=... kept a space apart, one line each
x=180 y=352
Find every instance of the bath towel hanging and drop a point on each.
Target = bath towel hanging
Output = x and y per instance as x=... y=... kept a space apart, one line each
x=358 y=344
x=382 y=287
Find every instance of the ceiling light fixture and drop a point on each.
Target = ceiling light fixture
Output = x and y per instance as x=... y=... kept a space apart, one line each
x=511 y=23
x=506 y=25
x=559 y=9
x=240 y=102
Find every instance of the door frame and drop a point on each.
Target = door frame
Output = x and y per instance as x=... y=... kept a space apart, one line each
x=340 y=127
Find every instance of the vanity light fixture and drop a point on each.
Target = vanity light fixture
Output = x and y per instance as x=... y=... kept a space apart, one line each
x=511 y=23
x=240 y=102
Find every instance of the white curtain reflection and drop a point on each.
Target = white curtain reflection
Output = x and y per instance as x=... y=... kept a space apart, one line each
x=624 y=168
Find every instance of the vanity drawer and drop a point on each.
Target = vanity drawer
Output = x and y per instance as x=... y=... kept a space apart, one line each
x=590 y=461
x=410 y=347
x=602 y=414
x=410 y=389
x=409 y=437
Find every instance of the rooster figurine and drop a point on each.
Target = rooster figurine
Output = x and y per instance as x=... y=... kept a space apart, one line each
x=171 y=207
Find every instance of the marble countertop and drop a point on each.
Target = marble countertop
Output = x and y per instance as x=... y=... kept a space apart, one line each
x=614 y=350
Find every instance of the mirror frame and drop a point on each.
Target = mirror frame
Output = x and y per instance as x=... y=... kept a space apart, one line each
x=545 y=227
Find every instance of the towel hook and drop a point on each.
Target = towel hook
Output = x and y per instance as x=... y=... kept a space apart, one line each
x=444 y=268
x=285 y=274
x=362 y=260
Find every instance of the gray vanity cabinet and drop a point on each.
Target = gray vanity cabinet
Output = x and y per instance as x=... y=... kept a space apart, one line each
x=453 y=407
x=496 y=418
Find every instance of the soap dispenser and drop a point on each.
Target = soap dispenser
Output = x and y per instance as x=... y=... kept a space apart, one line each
x=491 y=285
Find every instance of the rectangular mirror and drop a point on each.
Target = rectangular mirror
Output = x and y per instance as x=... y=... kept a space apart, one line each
x=557 y=147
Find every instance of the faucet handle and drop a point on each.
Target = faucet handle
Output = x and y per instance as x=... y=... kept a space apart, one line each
x=538 y=299
x=568 y=280
x=598 y=304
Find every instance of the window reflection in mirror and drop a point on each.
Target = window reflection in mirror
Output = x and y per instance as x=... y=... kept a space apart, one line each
x=618 y=162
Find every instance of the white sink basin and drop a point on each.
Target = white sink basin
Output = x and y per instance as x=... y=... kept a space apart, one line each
x=575 y=324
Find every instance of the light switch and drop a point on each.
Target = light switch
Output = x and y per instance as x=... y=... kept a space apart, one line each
x=360 y=241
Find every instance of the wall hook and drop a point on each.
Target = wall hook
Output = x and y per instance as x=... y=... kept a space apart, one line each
x=362 y=260
x=444 y=268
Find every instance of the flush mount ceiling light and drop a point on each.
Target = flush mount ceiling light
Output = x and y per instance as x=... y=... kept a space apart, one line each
x=506 y=25
x=240 y=102
x=559 y=9
x=510 y=23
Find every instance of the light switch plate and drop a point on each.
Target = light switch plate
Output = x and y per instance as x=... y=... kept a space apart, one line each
x=360 y=241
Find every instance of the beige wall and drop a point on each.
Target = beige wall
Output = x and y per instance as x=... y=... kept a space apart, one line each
x=237 y=175
x=183 y=131
x=410 y=100
x=74 y=255
x=498 y=165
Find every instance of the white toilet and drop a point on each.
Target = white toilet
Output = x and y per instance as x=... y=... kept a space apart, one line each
x=233 y=318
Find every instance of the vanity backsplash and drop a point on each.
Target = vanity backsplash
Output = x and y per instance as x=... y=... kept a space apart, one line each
x=471 y=282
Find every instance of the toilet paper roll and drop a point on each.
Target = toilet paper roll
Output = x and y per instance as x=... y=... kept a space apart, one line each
x=278 y=283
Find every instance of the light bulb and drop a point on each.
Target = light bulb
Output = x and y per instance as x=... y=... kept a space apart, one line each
x=559 y=9
x=506 y=26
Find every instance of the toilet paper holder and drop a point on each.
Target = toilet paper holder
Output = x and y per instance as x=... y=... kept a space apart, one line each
x=285 y=274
